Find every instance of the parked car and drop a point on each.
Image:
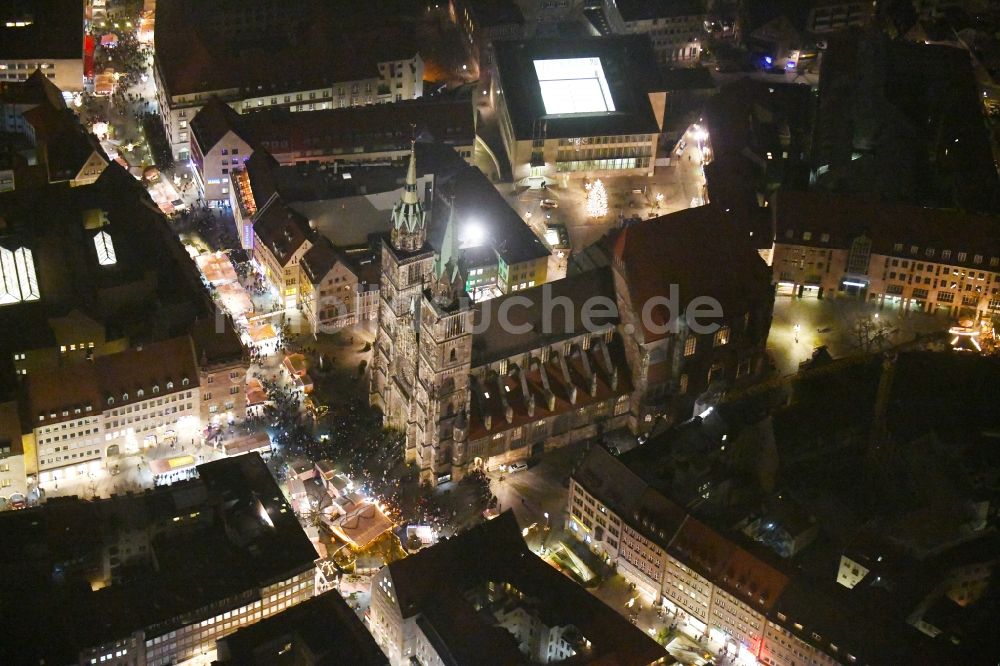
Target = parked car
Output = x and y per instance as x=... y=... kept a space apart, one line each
x=517 y=467
x=550 y=203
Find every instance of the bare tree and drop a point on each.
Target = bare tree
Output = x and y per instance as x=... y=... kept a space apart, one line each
x=871 y=334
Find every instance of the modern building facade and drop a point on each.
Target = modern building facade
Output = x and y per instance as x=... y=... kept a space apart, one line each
x=581 y=108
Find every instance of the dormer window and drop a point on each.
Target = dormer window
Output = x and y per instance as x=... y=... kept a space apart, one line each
x=111 y=400
x=185 y=382
x=124 y=396
x=156 y=389
x=170 y=385
x=105 y=249
x=140 y=393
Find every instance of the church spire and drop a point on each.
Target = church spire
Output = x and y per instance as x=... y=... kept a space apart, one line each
x=449 y=244
x=409 y=232
x=410 y=191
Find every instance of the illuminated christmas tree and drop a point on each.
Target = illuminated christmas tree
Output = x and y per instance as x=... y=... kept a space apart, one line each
x=597 y=200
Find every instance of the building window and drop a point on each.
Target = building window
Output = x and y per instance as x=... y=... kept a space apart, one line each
x=722 y=336
x=690 y=345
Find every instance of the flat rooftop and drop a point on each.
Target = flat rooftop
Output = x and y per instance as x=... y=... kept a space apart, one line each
x=582 y=87
x=228 y=533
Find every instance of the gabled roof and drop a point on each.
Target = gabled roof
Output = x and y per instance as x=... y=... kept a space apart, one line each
x=213 y=122
x=687 y=251
x=499 y=340
x=282 y=230
x=476 y=200
x=372 y=127
x=321 y=257
x=36 y=89
x=844 y=218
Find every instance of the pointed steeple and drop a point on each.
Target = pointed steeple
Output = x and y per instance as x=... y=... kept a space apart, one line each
x=410 y=191
x=409 y=231
x=449 y=244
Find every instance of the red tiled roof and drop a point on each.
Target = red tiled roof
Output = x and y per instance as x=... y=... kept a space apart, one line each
x=700 y=252
x=494 y=407
x=845 y=218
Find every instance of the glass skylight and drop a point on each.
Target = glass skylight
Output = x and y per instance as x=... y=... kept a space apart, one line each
x=573 y=85
x=105 y=249
x=18 y=281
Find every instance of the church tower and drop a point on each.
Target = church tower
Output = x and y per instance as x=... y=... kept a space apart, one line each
x=409 y=229
x=407 y=268
x=446 y=325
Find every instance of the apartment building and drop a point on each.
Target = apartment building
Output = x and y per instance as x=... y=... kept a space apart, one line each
x=676 y=29
x=911 y=258
x=719 y=587
x=44 y=36
x=336 y=290
x=328 y=66
x=218 y=148
x=159 y=577
x=222 y=371
x=282 y=237
x=13 y=473
x=83 y=416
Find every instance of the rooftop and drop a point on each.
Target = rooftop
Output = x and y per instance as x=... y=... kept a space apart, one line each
x=480 y=206
x=583 y=87
x=370 y=128
x=222 y=548
x=841 y=218
x=642 y=10
x=541 y=325
x=436 y=585
x=319 y=43
x=37 y=29
x=322 y=630
x=682 y=251
x=903 y=121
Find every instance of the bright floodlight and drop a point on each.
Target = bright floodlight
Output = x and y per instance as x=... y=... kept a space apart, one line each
x=473 y=234
x=573 y=85
x=700 y=135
